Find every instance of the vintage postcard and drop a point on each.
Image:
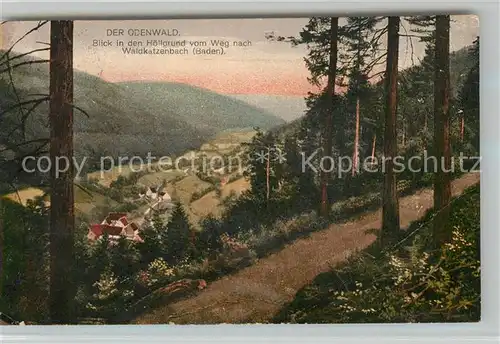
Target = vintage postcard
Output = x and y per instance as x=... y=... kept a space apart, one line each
x=302 y=170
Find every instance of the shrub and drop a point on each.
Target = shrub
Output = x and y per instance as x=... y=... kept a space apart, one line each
x=270 y=238
x=126 y=207
x=158 y=272
x=199 y=194
x=407 y=284
x=109 y=298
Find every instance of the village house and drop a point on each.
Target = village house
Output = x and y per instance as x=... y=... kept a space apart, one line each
x=152 y=193
x=115 y=225
x=156 y=194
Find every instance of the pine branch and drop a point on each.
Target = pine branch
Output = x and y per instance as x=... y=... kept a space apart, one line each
x=14 y=89
x=25 y=144
x=10 y=58
x=24 y=63
x=408 y=39
x=36 y=28
x=17 y=105
x=412 y=36
x=81 y=110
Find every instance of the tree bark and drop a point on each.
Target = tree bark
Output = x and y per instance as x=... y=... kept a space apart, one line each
x=268 y=172
x=328 y=130
x=61 y=180
x=462 y=127
x=373 y=148
x=442 y=186
x=425 y=128
x=356 y=141
x=1 y=248
x=403 y=141
x=390 y=203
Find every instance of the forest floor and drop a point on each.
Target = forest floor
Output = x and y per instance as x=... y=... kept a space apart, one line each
x=256 y=293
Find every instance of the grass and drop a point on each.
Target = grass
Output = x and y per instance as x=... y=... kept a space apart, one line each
x=271 y=239
x=210 y=203
x=225 y=142
x=157 y=178
x=129 y=119
x=182 y=187
x=276 y=236
x=22 y=196
x=352 y=291
x=85 y=201
x=105 y=178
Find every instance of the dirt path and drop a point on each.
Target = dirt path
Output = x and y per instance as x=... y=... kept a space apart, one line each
x=256 y=293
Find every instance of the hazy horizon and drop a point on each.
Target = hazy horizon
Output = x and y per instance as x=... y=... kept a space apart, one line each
x=264 y=68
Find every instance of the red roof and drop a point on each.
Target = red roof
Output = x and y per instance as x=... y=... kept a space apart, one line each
x=115 y=217
x=112 y=230
x=137 y=238
x=98 y=230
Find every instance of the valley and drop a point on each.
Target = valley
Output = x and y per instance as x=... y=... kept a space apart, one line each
x=201 y=193
x=257 y=199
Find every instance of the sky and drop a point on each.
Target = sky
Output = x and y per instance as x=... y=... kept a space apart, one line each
x=267 y=68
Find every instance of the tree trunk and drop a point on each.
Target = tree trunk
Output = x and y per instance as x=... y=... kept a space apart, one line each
x=1 y=248
x=390 y=203
x=373 y=148
x=328 y=130
x=356 y=141
x=425 y=127
x=268 y=172
x=61 y=180
x=462 y=127
x=442 y=187
x=403 y=141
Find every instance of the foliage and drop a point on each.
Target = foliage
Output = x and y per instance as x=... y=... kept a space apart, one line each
x=109 y=298
x=208 y=238
x=158 y=271
x=178 y=236
x=469 y=99
x=130 y=112
x=25 y=260
x=414 y=284
x=411 y=283
x=199 y=194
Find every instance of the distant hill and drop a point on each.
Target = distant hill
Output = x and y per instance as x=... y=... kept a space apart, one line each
x=118 y=122
x=126 y=119
x=203 y=108
x=288 y=108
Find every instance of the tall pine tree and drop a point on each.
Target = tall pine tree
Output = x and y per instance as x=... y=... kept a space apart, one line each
x=360 y=39
x=326 y=172
x=442 y=179
x=390 y=203
x=469 y=101
x=178 y=236
x=62 y=219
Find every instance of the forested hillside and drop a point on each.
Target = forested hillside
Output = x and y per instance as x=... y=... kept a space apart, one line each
x=364 y=210
x=202 y=108
x=121 y=119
